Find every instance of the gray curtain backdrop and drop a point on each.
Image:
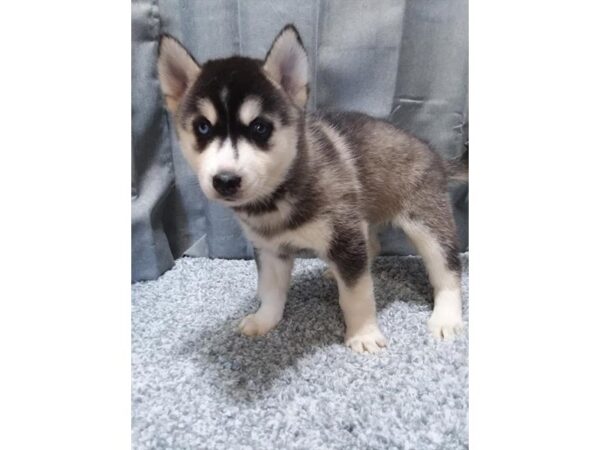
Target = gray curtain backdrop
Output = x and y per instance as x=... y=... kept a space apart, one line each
x=402 y=60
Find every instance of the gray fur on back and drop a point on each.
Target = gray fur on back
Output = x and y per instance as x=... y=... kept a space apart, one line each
x=393 y=166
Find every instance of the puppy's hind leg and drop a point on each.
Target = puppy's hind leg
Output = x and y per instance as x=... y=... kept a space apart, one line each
x=434 y=239
x=274 y=273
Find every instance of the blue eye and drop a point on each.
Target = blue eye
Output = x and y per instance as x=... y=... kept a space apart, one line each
x=204 y=127
x=261 y=129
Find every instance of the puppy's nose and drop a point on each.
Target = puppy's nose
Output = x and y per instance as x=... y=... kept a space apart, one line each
x=226 y=183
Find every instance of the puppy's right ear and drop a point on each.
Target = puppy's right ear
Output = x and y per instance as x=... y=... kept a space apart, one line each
x=177 y=69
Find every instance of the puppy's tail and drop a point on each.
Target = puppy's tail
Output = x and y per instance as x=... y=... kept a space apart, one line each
x=457 y=169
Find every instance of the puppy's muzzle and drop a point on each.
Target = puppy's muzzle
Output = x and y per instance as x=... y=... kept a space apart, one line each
x=227 y=183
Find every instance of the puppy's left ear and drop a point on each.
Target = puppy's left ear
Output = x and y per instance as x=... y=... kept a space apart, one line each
x=287 y=64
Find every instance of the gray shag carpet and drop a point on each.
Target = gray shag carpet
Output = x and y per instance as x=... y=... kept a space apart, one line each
x=197 y=383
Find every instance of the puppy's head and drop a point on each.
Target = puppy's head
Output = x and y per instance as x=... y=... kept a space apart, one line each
x=237 y=118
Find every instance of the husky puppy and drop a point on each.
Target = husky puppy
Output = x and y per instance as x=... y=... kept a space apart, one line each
x=320 y=182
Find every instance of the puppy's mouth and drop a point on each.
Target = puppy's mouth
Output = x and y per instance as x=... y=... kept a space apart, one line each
x=232 y=200
x=246 y=195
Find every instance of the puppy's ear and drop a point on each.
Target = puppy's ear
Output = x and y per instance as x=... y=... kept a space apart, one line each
x=176 y=70
x=287 y=64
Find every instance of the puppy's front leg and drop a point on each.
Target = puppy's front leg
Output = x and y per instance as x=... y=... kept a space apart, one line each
x=274 y=274
x=350 y=266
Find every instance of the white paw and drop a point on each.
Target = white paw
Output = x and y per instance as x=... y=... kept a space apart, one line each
x=370 y=340
x=256 y=325
x=445 y=323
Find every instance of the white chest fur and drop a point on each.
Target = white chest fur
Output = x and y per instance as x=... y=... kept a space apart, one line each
x=314 y=235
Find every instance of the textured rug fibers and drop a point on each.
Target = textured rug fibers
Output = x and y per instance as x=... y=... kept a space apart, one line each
x=197 y=383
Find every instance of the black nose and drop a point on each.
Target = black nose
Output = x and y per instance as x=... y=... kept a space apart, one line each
x=226 y=183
